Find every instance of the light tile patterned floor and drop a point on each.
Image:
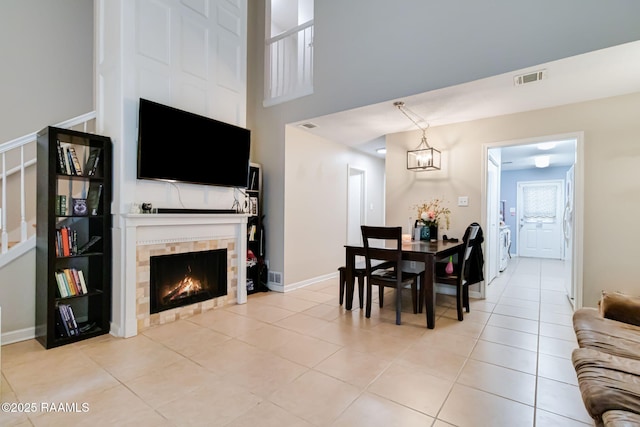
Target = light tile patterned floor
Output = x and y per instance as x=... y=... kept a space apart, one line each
x=299 y=359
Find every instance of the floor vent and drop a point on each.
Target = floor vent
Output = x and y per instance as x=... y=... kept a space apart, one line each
x=275 y=277
x=536 y=76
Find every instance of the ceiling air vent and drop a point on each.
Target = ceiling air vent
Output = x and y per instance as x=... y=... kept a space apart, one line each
x=536 y=76
x=309 y=125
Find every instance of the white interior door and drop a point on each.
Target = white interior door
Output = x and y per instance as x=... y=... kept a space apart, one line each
x=355 y=205
x=540 y=214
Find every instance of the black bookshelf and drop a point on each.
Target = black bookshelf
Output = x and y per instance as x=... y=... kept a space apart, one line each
x=73 y=238
x=256 y=268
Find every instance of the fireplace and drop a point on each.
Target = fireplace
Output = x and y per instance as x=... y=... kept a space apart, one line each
x=182 y=279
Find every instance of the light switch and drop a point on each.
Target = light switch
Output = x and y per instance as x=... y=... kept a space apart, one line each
x=463 y=201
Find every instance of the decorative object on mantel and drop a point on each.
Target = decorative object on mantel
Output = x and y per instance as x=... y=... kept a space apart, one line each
x=423 y=157
x=430 y=215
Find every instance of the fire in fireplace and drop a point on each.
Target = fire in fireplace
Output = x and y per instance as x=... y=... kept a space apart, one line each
x=187 y=278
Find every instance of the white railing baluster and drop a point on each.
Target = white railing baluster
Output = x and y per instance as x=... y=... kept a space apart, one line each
x=289 y=73
x=23 y=199
x=3 y=220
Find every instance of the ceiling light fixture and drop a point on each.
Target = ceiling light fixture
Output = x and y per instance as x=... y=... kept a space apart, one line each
x=546 y=145
x=541 y=161
x=382 y=150
x=423 y=157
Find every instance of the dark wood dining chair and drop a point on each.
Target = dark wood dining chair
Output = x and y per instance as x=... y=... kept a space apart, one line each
x=384 y=244
x=459 y=277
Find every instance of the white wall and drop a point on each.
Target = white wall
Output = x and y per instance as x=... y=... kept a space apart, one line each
x=316 y=179
x=370 y=51
x=611 y=178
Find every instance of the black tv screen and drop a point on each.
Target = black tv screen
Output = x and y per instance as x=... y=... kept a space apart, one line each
x=175 y=145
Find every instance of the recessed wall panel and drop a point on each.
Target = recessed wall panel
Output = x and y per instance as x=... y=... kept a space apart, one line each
x=201 y=7
x=154 y=85
x=229 y=20
x=194 y=48
x=228 y=63
x=193 y=98
x=234 y=3
x=154 y=30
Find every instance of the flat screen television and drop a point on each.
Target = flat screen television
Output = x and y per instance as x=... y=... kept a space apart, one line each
x=176 y=145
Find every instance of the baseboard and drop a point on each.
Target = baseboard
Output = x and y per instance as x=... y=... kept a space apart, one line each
x=444 y=289
x=293 y=286
x=19 y=335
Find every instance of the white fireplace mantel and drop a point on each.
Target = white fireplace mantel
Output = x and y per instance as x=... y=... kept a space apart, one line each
x=147 y=229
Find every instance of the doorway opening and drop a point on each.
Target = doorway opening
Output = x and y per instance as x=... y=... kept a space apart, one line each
x=543 y=217
x=356 y=203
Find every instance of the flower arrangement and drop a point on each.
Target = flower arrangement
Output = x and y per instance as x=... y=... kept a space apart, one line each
x=433 y=212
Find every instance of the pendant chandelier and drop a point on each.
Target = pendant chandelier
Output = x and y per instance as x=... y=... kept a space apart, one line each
x=423 y=157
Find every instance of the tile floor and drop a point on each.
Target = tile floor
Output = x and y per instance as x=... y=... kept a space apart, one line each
x=299 y=359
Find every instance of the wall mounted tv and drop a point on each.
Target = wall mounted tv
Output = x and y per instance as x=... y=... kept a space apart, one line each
x=175 y=145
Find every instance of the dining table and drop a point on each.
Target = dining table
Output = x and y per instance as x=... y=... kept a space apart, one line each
x=427 y=252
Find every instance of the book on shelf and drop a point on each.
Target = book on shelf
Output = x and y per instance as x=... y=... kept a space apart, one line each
x=64 y=280
x=93 y=198
x=61 y=331
x=83 y=283
x=67 y=161
x=61 y=205
x=73 y=241
x=61 y=168
x=253 y=179
x=70 y=282
x=92 y=161
x=64 y=320
x=68 y=320
x=72 y=285
x=62 y=287
x=82 y=249
x=74 y=324
x=64 y=241
x=74 y=161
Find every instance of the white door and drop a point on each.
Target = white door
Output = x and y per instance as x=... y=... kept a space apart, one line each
x=355 y=205
x=492 y=234
x=540 y=214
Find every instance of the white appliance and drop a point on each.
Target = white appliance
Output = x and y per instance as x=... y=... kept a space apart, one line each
x=505 y=244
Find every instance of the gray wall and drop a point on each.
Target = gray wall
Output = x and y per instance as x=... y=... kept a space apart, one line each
x=370 y=51
x=46 y=77
x=47 y=63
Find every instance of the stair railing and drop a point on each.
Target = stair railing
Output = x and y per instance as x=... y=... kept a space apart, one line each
x=10 y=148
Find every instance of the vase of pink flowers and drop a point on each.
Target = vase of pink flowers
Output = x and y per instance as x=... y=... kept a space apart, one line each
x=430 y=216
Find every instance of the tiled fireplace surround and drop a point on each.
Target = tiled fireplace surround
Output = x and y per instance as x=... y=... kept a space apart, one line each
x=149 y=235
